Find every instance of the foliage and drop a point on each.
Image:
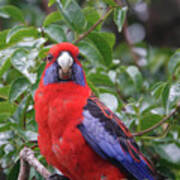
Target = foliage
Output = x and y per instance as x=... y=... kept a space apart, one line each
x=142 y=90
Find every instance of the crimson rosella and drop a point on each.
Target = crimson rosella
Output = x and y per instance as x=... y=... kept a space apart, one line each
x=78 y=134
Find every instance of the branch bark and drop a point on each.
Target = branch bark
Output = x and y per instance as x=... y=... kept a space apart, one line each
x=28 y=159
x=159 y=123
x=101 y=19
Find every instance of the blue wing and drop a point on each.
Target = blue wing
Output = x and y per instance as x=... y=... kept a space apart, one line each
x=110 y=138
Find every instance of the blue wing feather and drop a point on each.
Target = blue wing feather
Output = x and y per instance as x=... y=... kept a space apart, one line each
x=109 y=138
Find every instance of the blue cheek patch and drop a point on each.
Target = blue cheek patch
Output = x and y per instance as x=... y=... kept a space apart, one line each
x=51 y=74
x=78 y=75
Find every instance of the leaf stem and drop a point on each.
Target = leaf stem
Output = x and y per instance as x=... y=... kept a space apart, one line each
x=159 y=123
x=100 y=20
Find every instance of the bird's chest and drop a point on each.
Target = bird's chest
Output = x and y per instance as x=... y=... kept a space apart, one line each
x=63 y=113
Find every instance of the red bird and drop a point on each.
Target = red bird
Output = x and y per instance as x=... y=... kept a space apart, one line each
x=78 y=134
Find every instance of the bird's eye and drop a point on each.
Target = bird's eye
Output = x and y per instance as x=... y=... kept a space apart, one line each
x=50 y=57
x=79 y=57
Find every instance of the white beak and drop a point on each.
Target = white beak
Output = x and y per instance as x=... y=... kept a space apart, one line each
x=65 y=61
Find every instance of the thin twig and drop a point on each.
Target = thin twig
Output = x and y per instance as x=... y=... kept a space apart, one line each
x=159 y=123
x=27 y=156
x=100 y=20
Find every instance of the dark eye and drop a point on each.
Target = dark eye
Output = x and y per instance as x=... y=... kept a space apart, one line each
x=79 y=57
x=50 y=57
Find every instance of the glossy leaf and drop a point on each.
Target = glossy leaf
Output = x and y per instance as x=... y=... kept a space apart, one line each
x=51 y=2
x=135 y=75
x=4 y=67
x=4 y=127
x=169 y=152
x=18 y=87
x=13 y=12
x=100 y=80
x=12 y=32
x=109 y=100
x=4 y=92
x=119 y=17
x=22 y=61
x=20 y=113
x=55 y=33
x=73 y=15
x=110 y=2
x=174 y=94
x=3 y=35
x=14 y=172
x=157 y=89
x=19 y=32
x=148 y=120
x=52 y=18
x=165 y=95
x=89 y=51
x=7 y=107
x=102 y=46
x=109 y=37
x=174 y=62
x=92 y=17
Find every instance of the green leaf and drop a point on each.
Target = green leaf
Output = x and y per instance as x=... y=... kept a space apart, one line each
x=13 y=31
x=102 y=46
x=174 y=95
x=73 y=15
x=55 y=33
x=4 y=67
x=7 y=107
x=20 y=112
x=18 y=87
x=90 y=52
x=109 y=37
x=92 y=17
x=51 y=2
x=52 y=18
x=148 y=120
x=174 y=62
x=100 y=80
x=23 y=61
x=3 y=35
x=110 y=2
x=165 y=95
x=157 y=89
x=4 y=117
x=109 y=100
x=19 y=32
x=5 y=127
x=13 y=12
x=169 y=152
x=120 y=16
x=4 y=92
x=135 y=76
x=31 y=136
x=14 y=172
x=4 y=14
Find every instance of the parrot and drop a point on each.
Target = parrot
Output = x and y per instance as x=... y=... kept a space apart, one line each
x=77 y=133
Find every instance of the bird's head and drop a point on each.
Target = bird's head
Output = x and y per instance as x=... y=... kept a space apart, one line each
x=63 y=65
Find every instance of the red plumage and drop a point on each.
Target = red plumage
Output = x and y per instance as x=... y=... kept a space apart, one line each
x=59 y=110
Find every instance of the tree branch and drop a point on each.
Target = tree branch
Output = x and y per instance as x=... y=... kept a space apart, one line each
x=24 y=170
x=101 y=19
x=159 y=123
x=27 y=158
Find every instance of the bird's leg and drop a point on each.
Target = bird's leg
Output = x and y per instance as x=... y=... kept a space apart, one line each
x=57 y=177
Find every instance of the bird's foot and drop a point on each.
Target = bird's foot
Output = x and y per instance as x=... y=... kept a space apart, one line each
x=57 y=177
